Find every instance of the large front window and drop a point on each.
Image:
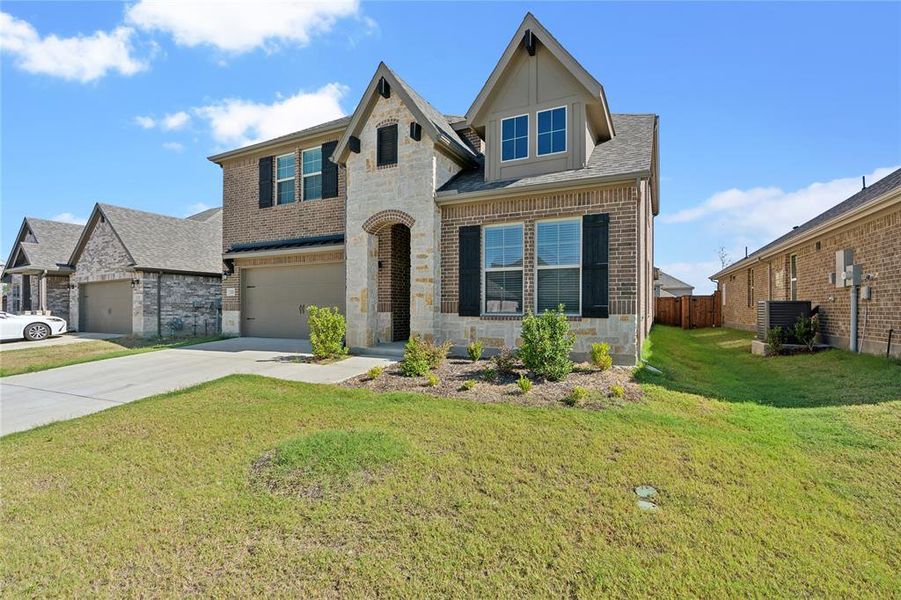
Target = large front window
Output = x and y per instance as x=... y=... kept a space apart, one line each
x=515 y=138
x=284 y=178
x=558 y=263
x=552 y=131
x=502 y=263
x=312 y=173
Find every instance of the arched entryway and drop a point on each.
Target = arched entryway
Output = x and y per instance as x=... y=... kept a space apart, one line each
x=392 y=229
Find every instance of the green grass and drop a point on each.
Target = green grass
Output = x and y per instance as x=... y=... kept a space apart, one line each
x=157 y=497
x=30 y=360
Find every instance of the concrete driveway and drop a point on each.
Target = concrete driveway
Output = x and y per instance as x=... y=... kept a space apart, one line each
x=34 y=399
x=60 y=340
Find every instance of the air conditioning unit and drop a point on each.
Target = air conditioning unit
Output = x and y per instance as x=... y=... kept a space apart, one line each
x=780 y=313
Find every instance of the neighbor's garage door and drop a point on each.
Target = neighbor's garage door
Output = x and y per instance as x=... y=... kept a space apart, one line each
x=275 y=298
x=105 y=307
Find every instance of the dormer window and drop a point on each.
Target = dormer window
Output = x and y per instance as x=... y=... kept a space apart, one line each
x=552 y=131
x=515 y=138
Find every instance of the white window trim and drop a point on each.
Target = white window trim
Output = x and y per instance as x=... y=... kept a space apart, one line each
x=277 y=180
x=483 y=302
x=304 y=174
x=500 y=137
x=793 y=276
x=567 y=266
x=565 y=131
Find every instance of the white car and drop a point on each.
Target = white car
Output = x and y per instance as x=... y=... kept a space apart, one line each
x=30 y=327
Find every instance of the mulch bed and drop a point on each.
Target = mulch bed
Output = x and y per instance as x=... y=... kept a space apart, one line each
x=455 y=371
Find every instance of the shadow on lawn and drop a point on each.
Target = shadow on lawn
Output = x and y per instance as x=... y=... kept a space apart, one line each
x=718 y=363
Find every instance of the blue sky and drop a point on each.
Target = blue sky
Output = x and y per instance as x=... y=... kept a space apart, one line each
x=769 y=112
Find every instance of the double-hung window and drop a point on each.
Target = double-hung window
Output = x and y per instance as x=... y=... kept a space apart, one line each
x=559 y=265
x=793 y=276
x=515 y=138
x=552 y=131
x=284 y=178
x=502 y=261
x=312 y=173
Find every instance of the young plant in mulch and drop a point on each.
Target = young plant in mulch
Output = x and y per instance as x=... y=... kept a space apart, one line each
x=774 y=339
x=546 y=344
x=524 y=384
x=576 y=396
x=600 y=356
x=474 y=350
x=375 y=372
x=805 y=331
x=327 y=329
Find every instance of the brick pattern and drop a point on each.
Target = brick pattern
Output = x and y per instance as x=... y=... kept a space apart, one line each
x=103 y=258
x=876 y=242
x=472 y=139
x=187 y=304
x=58 y=295
x=387 y=217
x=621 y=203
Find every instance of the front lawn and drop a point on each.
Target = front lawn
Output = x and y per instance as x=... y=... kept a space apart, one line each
x=250 y=486
x=40 y=358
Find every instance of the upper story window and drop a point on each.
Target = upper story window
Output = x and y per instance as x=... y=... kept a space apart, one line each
x=312 y=173
x=558 y=264
x=515 y=138
x=552 y=131
x=793 y=276
x=386 y=145
x=284 y=178
x=502 y=263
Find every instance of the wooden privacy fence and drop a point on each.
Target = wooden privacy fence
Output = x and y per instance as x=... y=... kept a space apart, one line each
x=689 y=312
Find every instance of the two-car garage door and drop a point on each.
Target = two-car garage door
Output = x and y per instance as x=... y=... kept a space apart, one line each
x=105 y=307
x=275 y=298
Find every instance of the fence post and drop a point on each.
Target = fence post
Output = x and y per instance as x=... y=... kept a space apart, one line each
x=686 y=312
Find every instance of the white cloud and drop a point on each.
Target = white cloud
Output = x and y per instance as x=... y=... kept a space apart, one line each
x=68 y=217
x=145 y=122
x=80 y=58
x=175 y=121
x=236 y=122
x=197 y=207
x=173 y=146
x=770 y=211
x=240 y=26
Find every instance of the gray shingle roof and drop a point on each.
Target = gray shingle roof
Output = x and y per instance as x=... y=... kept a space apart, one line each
x=168 y=243
x=207 y=215
x=55 y=242
x=630 y=151
x=871 y=192
x=667 y=281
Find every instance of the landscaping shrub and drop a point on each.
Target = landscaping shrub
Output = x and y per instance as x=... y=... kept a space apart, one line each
x=432 y=380
x=468 y=385
x=375 y=372
x=617 y=391
x=327 y=329
x=437 y=353
x=576 y=396
x=546 y=344
x=490 y=374
x=474 y=350
x=805 y=331
x=524 y=384
x=507 y=360
x=774 y=340
x=600 y=356
x=416 y=360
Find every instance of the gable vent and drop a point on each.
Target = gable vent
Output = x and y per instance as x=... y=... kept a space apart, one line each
x=384 y=88
x=415 y=131
x=530 y=41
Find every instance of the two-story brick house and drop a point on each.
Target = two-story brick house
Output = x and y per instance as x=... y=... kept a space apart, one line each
x=412 y=221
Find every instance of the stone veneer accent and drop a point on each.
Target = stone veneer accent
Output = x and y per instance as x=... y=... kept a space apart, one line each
x=876 y=242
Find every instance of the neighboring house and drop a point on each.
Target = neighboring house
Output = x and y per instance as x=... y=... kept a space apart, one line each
x=146 y=274
x=451 y=227
x=797 y=266
x=667 y=286
x=38 y=268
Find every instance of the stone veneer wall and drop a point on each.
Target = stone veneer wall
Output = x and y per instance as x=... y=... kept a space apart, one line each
x=620 y=330
x=876 y=242
x=192 y=300
x=103 y=258
x=58 y=295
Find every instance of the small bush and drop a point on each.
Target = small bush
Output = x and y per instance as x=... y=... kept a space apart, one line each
x=327 y=329
x=546 y=344
x=617 y=391
x=600 y=356
x=417 y=360
x=468 y=385
x=432 y=380
x=490 y=374
x=507 y=360
x=437 y=353
x=474 y=350
x=805 y=331
x=576 y=396
x=774 y=340
x=375 y=372
x=524 y=384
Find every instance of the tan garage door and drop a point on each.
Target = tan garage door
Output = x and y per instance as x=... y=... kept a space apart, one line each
x=275 y=298
x=105 y=307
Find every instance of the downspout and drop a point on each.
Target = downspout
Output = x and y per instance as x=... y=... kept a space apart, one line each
x=853 y=341
x=159 y=306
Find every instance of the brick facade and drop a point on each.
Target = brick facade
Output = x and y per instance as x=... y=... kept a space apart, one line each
x=876 y=242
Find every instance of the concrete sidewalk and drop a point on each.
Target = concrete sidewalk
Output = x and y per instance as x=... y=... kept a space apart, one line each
x=60 y=340
x=34 y=399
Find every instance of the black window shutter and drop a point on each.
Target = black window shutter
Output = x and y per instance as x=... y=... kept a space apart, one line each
x=595 y=266
x=266 y=182
x=386 y=150
x=470 y=277
x=329 y=171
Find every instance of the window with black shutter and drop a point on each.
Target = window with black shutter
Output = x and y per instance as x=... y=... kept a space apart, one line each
x=265 y=175
x=469 y=289
x=329 y=171
x=386 y=145
x=595 y=266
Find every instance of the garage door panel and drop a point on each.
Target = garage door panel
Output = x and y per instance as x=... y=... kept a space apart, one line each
x=275 y=298
x=105 y=307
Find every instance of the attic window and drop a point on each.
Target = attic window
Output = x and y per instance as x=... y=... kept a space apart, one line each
x=515 y=138
x=386 y=145
x=552 y=131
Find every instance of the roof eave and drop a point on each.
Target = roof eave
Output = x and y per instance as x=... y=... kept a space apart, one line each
x=273 y=143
